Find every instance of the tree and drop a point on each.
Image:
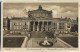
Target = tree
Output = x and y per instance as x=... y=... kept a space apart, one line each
x=74 y=28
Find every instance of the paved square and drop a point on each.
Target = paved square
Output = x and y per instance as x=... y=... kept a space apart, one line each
x=34 y=43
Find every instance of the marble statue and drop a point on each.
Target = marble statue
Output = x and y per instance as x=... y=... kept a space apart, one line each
x=46 y=42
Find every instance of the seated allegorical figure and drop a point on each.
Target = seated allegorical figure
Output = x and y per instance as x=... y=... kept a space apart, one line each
x=46 y=42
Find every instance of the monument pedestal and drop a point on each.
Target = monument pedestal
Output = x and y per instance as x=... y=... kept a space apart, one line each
x=46 y=43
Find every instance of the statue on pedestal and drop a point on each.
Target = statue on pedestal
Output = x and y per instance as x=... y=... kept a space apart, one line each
x=46 y=42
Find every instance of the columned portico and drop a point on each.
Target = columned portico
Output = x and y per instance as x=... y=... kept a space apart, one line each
x=40 y=26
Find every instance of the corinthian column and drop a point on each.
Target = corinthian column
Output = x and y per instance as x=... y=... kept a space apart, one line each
x=38 y=27
x=33 y=26
x=42 y=27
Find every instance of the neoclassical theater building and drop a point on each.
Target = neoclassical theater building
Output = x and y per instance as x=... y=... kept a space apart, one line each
x=38 y=20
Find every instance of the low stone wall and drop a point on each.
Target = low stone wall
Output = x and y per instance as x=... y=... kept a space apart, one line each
x=24 y=42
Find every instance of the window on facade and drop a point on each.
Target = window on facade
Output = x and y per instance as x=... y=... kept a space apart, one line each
x=14 y=27
x=20 y=27
x=55 y=25
x=20 y=23
x=54 y=30
x=31 y=27
x=4 y=24
x=17 y=23
x=49 y=23
x=61 y=25
x=4 y=28
x=68 y=26
x=60 y=31
x=35 y=27
x=45 y=23
x=14 y=23
x=25 y=23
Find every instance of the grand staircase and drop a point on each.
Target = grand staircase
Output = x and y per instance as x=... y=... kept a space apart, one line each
x=41 y=34
x=36 y=34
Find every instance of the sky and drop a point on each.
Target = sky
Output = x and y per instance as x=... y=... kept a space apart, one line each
x=69 y=10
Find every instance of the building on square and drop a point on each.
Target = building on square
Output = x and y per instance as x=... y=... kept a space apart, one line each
x=38 y=21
